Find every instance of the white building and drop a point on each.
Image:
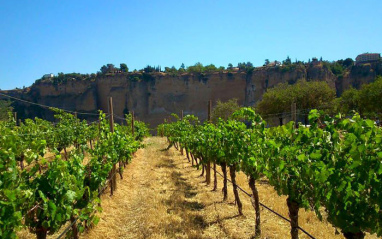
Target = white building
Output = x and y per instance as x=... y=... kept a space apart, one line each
x=47 y=76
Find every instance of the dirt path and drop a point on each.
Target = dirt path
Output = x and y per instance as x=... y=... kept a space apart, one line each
x=158 y=199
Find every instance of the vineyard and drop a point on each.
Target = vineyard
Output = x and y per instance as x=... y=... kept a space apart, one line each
x=53 y=174
x=332 y=167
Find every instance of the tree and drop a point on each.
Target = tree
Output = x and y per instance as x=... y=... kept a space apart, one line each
x=103 y=69
x=337 y=69
x=249 y=67
x=266 y=62
x=306 y=95
x=348 y=62
x=197 y=68
x=110 y=67
x=124 y=67
x=230 y=66
x=367 y=101
x=224 y=110
x=5 y=108
x=170 y=69
x=241 y=66
x=210 y=68
x=149 y=69
x=287 y=61
x=182 y=66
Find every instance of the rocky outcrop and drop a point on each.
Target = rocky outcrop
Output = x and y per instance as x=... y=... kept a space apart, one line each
x=153 y=97
x=359 y=75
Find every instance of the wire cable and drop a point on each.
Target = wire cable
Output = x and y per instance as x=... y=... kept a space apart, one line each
x=46 y=106
x=263 y=205
x=76 y=219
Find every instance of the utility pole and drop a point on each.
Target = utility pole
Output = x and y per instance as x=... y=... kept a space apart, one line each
x=132 y=123
x=113 y=179
x=208 y=166
x=294 y=114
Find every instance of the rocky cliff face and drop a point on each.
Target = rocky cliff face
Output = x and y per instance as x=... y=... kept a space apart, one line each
x=358 y=75
x=155 y=96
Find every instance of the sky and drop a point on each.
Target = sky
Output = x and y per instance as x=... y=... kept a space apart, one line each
x=50 y=36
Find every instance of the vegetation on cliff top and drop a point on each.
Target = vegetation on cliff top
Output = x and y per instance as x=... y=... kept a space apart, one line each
x=338 y=68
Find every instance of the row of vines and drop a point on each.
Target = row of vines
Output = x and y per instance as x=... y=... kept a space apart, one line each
x=43 y=193
x=333 y=167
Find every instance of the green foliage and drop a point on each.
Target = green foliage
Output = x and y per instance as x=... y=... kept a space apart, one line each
x=334 y=163
x=43 y=194
x=62 y=78
x=367 y=101
x=337 y=69
x=141 y=129
x=197 y=68
x=247 y=67
x=172 y=70
x=210 y=68
x=13 y=194
x=5 y=108
x=306 y=95
x=288 y=68
x=123 y=67
x=287 y=61
x=224 y=110
x=149 y=69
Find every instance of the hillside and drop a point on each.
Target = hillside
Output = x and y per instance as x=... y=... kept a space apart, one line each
x=154 y=96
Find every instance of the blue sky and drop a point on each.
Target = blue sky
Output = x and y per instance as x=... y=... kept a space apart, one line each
x=39 y=37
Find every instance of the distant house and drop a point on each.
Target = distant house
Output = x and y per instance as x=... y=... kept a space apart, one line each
x=367 y=58
x=47 y=76
x=274 y=63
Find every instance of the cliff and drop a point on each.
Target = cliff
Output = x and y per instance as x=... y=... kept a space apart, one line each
x=154 y=96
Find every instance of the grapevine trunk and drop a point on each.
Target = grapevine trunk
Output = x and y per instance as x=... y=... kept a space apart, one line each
x=293 y=214
x=256 y=205
x=66 y=154
x=74 y=228
x=114 y=180
x=188 y=156
x=208 y=173
x=215 y=178
x=232 y=171
x=354 y=235
x=224 y=189
x=120 y=169
x=41 y=233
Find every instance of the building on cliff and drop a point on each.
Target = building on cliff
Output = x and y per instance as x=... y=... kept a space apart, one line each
x=48 y=76
x=367 y=58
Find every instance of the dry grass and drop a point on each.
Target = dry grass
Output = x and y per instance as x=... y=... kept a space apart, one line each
x=162 y=196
